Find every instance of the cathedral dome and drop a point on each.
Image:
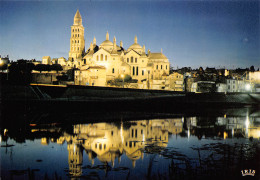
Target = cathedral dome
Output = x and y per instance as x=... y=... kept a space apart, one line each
x=106 y=43
x=136 y=47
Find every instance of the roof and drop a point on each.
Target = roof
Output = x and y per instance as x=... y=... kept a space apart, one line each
x=106 y=43
x=77 y=15
x=135 y=46
x=97 y=67
x=124 y=64
x=157 y=56
x=45 y=57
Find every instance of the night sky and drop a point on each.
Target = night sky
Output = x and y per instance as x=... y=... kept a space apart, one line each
x=190 y=33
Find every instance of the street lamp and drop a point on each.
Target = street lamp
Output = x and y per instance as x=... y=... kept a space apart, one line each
x=123 y=77
x=248 y=87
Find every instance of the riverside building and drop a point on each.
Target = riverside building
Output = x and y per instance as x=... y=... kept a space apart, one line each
x=113 y=59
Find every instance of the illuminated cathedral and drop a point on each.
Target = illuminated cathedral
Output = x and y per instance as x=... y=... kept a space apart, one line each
x=98 y=64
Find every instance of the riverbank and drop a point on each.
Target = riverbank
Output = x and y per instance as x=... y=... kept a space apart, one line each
x=46 y=98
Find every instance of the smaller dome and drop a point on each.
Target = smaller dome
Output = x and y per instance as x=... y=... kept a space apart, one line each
x=135 y=46
x=106 y=43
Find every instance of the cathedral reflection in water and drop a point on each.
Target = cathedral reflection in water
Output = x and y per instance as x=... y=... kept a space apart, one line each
x=109 y=141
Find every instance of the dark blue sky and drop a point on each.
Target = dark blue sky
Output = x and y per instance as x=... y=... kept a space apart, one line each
x=191 y=33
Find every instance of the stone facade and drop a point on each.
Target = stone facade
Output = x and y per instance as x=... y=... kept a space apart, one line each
x=115 y=59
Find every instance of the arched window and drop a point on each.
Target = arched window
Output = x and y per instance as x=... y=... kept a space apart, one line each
x=106 y=57
x=78 y=48
x=78 y=30
x=166 y=67
x=133 y=70
x=72 y=30
x=113 y=70
x=78 y=41
x=78 y=35
x=128 y=60
x=161 y=66
x=97 y=57
x=75 y=41
x=157 y=67
x=135 y=60
x=132 y=59
x=137 y=70
x=101 y=57
x=142 y=72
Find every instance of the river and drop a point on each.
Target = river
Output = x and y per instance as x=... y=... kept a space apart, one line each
x=158 y=146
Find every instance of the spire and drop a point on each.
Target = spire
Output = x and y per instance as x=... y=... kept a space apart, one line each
x=114 y=46
x=94 y=41
x=121 y=44
x=144 y=48
x=77 y=19
x=77 y=15
x=114 y=40
x=107 y=36
x=91 y=46
x=161 y=50
x=133 y=163
x=136 y=39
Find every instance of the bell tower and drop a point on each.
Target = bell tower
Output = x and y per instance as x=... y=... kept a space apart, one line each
x=77 y=41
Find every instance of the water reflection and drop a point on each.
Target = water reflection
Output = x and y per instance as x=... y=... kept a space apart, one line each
x=108 y=143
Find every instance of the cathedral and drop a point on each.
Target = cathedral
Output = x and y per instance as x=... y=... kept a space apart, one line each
x=99 y=64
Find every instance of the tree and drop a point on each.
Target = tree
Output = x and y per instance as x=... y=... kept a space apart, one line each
x=20 y=71
x=42 y=67
x=120 y=82
x=252 y=69
x=171 y=70
x=56 y=67
x=3 y=67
